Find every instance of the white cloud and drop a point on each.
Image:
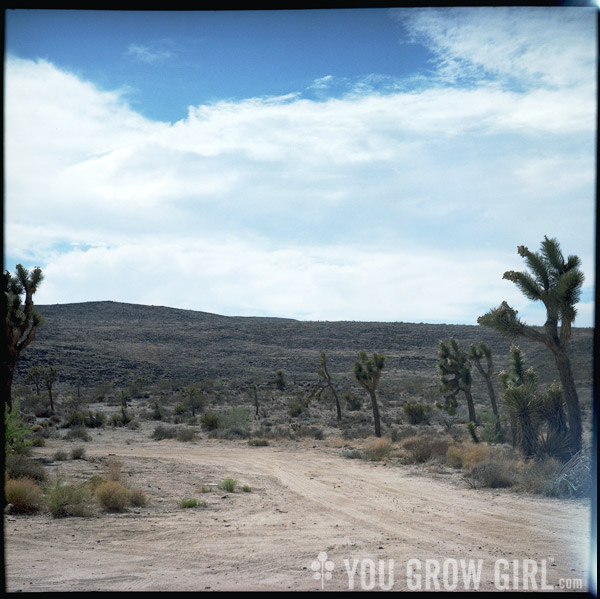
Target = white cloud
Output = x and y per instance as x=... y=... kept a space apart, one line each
x=154 y=53
x=412 y=202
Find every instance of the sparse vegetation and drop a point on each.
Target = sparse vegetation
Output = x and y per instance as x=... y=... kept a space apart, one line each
x=24 y=495
x=112 y=495
x=229 y=484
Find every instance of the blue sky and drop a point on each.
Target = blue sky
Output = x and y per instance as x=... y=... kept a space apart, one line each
x=357 y=164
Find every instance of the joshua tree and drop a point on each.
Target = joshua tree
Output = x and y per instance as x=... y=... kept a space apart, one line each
x=519 y=389
x=279 y=380
x=49 y=379
x=455 y=374
x=36 y=376
x=557 y=283
x=368 y=372
x=194 y=398
x=253 y=394
x=22 y=319
x=324 y=373
x=476 y=354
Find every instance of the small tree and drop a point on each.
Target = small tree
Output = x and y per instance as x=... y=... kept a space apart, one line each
x=324 y=373
x=557 y=283
x=476 y=354
x=367 y=372
x=455 y=374
x=21 y=319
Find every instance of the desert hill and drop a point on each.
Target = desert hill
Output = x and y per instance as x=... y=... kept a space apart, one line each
x=117 y=343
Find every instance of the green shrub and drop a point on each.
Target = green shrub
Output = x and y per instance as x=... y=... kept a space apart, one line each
x=210 y=421
x=112 y=495
x=185 y=503
x=67 y=499
x=85 y=418
x=417 y=413
x=229 y=484
x=17 y=436
x=21 y=466
x=247 y=489
x=24 y=495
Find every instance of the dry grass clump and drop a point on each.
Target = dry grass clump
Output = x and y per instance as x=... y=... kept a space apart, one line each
x=112 y=495
x=420 y=448
x=113 y=471
x=377 y=449
x=466 y=455
x=24 y=495
x=137 y=498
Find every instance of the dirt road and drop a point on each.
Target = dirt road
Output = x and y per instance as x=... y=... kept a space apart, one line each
x=305 y=501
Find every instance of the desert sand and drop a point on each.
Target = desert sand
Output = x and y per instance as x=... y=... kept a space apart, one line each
x=307 y=503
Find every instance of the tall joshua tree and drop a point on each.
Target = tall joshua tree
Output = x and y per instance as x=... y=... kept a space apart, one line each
x=368 y=372
x=557 y=283
x=476 y=354
x=21 y=319
x=455 y=374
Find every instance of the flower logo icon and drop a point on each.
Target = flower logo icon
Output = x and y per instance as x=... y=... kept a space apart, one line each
x=322 y=568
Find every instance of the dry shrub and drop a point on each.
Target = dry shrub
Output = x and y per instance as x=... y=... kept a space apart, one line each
x=537 y=475
x=113 y=471
x=466 y=455
x=495 y=473
x=112 y=495
x=137 y=497
x=21 y=466
x=421 y=448
x=24 y=495
x=377 y=449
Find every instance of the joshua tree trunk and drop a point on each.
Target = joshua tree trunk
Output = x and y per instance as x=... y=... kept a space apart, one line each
x=470 y=404
x=375 y=413
x=563 y=364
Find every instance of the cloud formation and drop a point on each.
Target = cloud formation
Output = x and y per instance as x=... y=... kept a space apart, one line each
x=403 y=205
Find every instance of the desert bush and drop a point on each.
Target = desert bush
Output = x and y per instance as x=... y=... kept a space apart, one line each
x=377 y=449
x=24 y=495
x=113 y=471
x=67 y=499
x=467 y=455
x=162 y=431
x=258 y=442
x=353 y=402
x=21 y=466
x=493 y=473
x=60 y=455
x=85 y=418
x=77 y=433
x=229 y=484
x=186 y=434
x=78 y=453
x=123 y=418
x=423 y=447
x=112 y=495
x=137 y=497
x=17 y=436
x=417 y=413
x=209 y=421
x=574 y=479
x=296 y=407
x=247 y=489
x=38 y=441
x=352 y=454
x=537 y=476
x=185 y=503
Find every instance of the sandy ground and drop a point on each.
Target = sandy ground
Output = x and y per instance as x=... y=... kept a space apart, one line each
x=306 y=501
